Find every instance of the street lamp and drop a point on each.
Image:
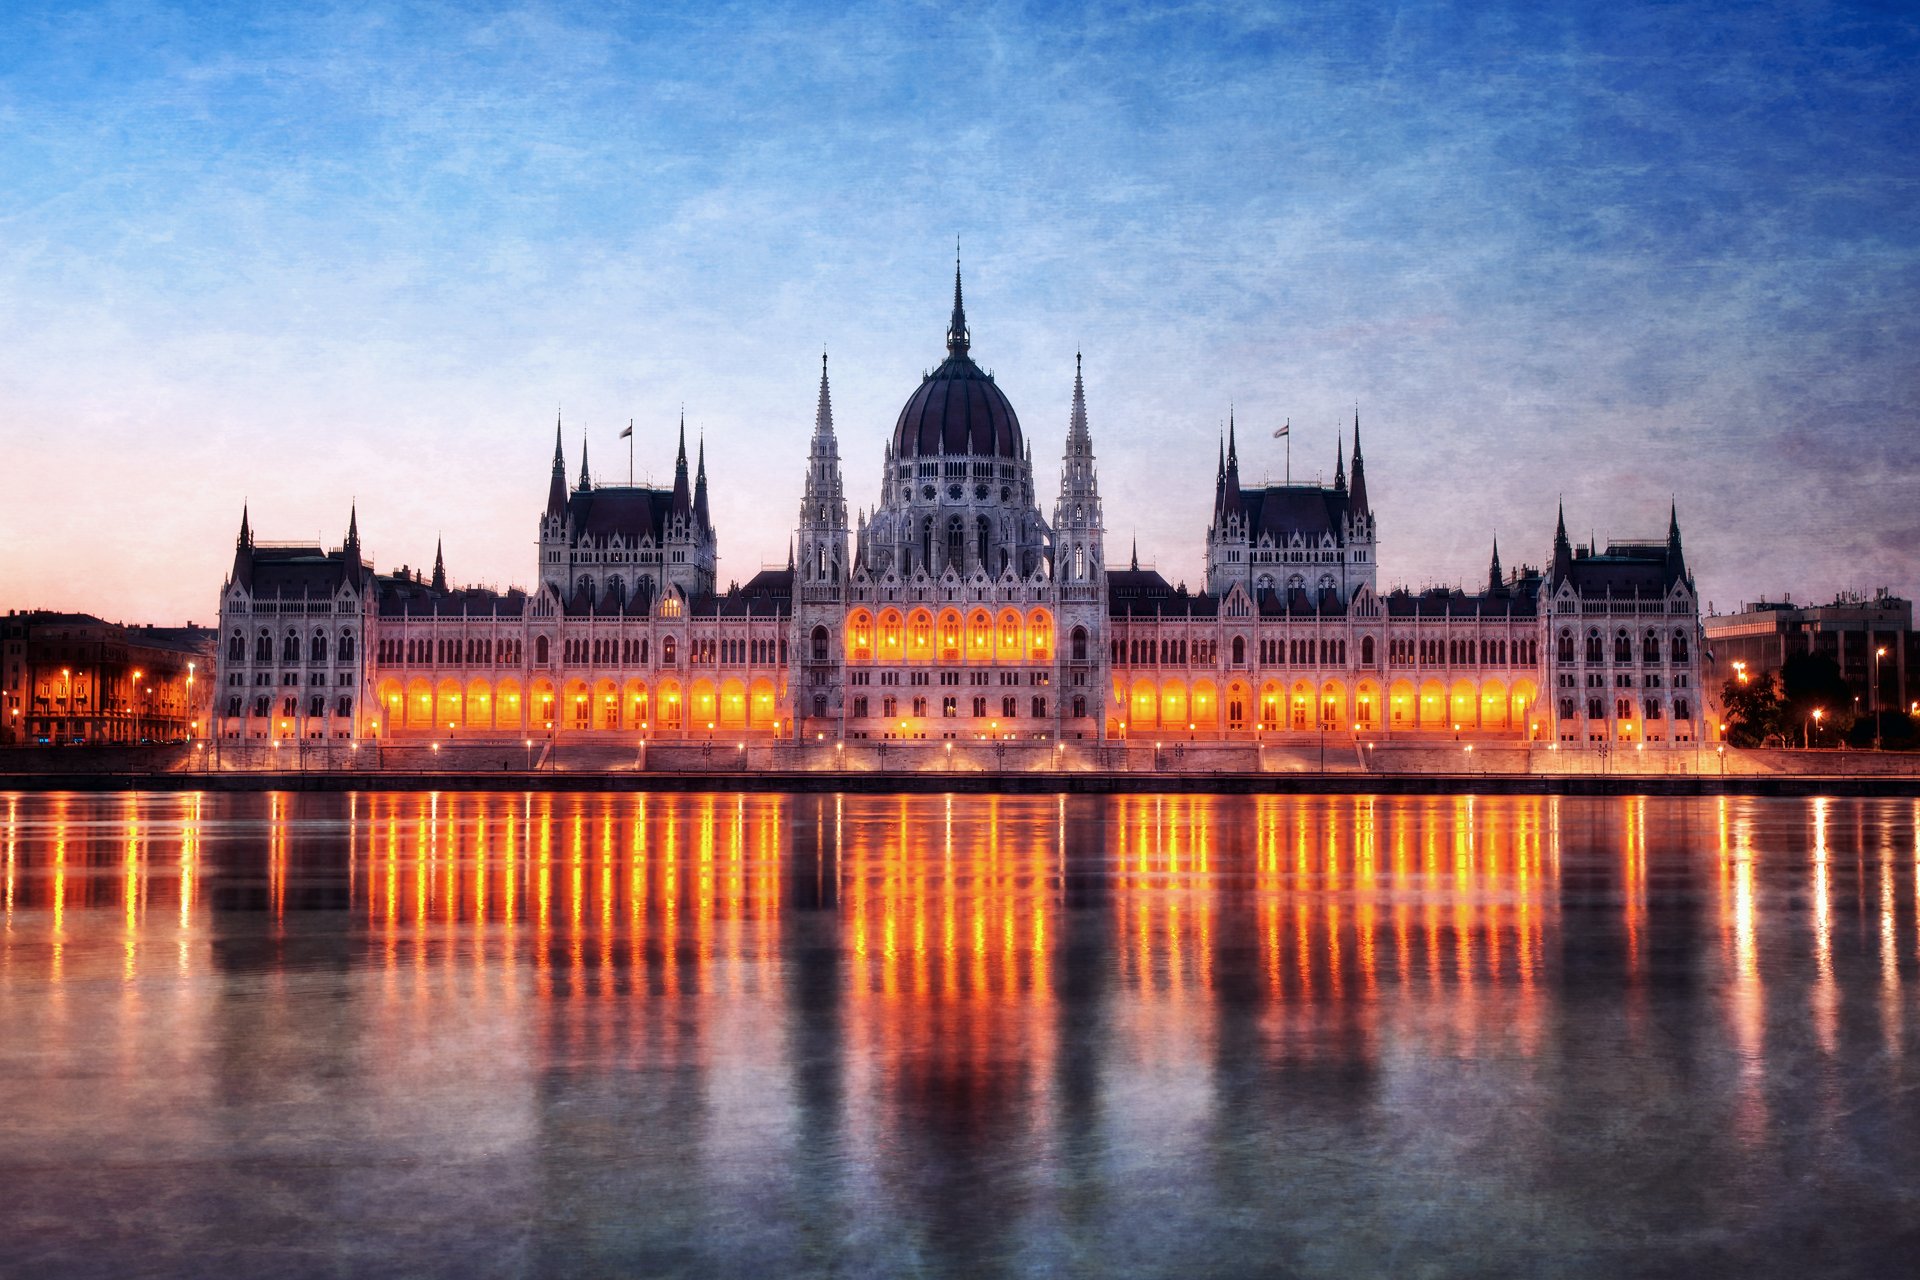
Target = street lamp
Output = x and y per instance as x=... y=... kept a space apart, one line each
x=1813 y=721
x=1873 y=695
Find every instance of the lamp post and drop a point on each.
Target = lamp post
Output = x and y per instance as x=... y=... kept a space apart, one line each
x=1812 y=721
x=1873 y=695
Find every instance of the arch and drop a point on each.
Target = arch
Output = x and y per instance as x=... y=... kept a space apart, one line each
x=1040 y=636
x=1366 y=651
x=263 y=646
x=1079 y=643
x=891 y=635
x=702 y=706
x=541 y=651
x=1203 y=706
x=509 y=711
x=1433 y=704
x=345 y=648
x=670 y=705
x=606 y=704
x=859 y=636
x=1493 y=704
x=1273 y=704
x=1143 y=707
x=669 y=651
x=1175 y=713
x=479 y=702
x=543 y=705
x=1521 y=709
x=419 y=705
x=822 y=644
x=1236 y=703
x=947 y=635
x=1006 y=636
x=1239 y=658
x=1565 y=645
x=635 y=705
x=1333 y=705
x=1366 y=705
x=449 y=708
x=979 y=636
x=575 y=710
x=1300 y=705
x=920 y=636
x=1403 y=711
x=733 y=703
x=393 y=704
x=762 y=710
x=1461 y=706
x=317 y=647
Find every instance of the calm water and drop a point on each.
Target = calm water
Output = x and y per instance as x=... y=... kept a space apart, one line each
x=764 y=1035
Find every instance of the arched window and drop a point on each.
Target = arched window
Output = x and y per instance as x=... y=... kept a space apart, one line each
x=1681 y=711
x=1651 y=650
x=820 y=643
x=1239 y=651
x=669 y=651
x=1680 y=648
x=290 y=651
x=1622 y=647
x=346 y=646
x=1366 y=651
x=1079 y=564
x=617 y=589
x=237 y=646
x=1595 y=652
x=983 y=533
x=318 y=649
x=1566 y=647
x=540 y=650
x=1079 y=642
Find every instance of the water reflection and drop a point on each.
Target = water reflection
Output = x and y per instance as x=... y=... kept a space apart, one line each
x=960 y=1034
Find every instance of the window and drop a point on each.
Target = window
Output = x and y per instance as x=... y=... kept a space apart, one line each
x=889 y=706
x=1679 y=646
x=540 y=651
x=263 y=648
x=980 y=708
x=1623 y=708
x=669 y=650
x=1009 y=707
x=819 y=644
x=1596 y=710
x=346 y=646
x=1650 y=651
x=1594 y=652
x=1366 y=651
x=1566 y=708
x=290 y=651
x=233 y=705
x=1681 y=711
x=317 y=651
x=860 y=708
x=949 y=706
x=1239 y=651
x=1622 y=647
x=317 y=706
x=1039 y=707
x=1653 y=708
x=920 y=706
x=237 y=646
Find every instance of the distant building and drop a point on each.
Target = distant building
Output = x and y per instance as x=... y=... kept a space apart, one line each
x=954 y=609
x=1851 y=630
x=72 y=678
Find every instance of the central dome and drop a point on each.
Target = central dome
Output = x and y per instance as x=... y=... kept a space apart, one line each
x=958 y=409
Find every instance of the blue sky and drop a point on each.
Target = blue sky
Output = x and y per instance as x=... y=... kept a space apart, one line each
x=300 y=256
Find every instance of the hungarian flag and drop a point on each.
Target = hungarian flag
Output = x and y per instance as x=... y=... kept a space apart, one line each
x=628 y=431
x=1283 y=430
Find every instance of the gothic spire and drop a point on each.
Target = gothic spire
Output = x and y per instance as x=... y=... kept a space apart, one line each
x=243 y=552
x=350 y=549
x=586 y=477
x=700 y=516
x=353 y=527
x=439 y=568
x=1493 y=571
x=682 y=492
x=823 y=413
x=1357 y=501
x=246 y=531
x=957 y=335
x=557 y=487
x=1562 y=549
x=1339 y=465
x=1134 y=564
x=1233 y=448
x=1676 y=559
x=1077 y=433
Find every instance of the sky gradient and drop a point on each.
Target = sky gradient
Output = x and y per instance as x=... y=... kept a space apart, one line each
x=1622 y=254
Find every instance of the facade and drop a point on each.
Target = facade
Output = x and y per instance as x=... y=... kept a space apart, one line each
x=74 y=679
x=955 y=609
x=1872 y=641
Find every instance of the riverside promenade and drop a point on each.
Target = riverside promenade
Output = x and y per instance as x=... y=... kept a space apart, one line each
x=1343 y=767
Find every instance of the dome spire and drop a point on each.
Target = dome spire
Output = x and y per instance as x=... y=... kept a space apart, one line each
x=957 y=336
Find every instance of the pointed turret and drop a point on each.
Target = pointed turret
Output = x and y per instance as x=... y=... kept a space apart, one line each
x=1339 y=465
x=243 y=552
x=1357 y=502
x=700 y=518
x=1230 y=488
x=350 y=549
x=439 y=568
x=1562 y=548
x=957 y=336
x=557 y=489
x=823 y=411
x=1494 y=583
x=586 y=474
x=682 y=491
x=1134 y=563
x=1079 y=549
x=1676 y=559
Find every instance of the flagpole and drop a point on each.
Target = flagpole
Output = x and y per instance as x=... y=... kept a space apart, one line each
x=629 y=453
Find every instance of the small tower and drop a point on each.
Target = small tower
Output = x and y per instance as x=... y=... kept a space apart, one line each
x=820 y=575
x=1080 y=579
x=556 y=522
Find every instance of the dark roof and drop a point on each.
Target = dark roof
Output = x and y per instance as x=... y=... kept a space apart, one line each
x=958 y=409
x=1625 y=569
x=408 y=595
x=297 y=571
x=1515 y=601
x=632 y=512
x=1280 y=510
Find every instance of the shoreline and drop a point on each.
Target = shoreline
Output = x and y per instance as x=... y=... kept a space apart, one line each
x=921 y=782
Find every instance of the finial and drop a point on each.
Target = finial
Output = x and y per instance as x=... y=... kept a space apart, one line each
x=957 y=337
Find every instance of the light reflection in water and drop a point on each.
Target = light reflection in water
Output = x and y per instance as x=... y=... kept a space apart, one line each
x=947 y=982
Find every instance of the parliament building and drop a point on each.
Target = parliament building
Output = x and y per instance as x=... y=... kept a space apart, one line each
x=957 y=609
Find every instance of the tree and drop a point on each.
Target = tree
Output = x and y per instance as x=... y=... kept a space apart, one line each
x=1813 y=683
x=1753 y=710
